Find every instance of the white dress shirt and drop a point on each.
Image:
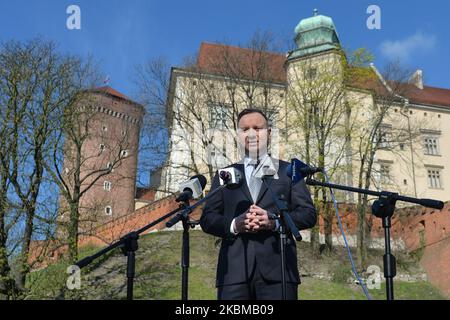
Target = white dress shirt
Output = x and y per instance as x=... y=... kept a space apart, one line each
x=248 y=167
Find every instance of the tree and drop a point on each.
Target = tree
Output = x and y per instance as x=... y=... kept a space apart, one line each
x=35 y=83
x=384 y=130
x=152 y=81
x=318 y=99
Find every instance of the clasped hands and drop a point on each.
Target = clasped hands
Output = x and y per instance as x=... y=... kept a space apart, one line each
x=253 y=220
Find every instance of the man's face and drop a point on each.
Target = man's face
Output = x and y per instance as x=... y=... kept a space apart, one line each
x=253 y=134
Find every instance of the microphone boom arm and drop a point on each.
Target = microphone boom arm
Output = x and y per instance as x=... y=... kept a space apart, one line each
x=430 y=203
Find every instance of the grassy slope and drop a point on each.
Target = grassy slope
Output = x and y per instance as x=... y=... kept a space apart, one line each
x=158 y=274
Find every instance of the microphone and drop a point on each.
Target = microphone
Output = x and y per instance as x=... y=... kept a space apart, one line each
x=192 y=189
x=231 y=177
x=267 y=169
x=298 y=170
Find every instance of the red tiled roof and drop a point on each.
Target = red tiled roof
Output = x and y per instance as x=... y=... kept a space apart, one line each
x=366 y=79
x=235 y=61
x=240 y=62
x=112 y=92
x=429 y=95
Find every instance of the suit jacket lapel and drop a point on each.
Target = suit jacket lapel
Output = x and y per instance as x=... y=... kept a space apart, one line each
x=244 y=187
x=262 y=191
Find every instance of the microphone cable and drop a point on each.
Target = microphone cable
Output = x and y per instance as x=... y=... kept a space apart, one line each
x=363 y=286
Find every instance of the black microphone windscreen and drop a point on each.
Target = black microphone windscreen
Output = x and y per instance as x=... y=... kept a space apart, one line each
x=224 y=175
x=289 y=170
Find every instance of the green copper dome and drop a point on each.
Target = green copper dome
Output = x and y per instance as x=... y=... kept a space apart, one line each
x=315 y=34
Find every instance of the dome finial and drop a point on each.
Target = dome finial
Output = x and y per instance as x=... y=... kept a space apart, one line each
x=316 y=12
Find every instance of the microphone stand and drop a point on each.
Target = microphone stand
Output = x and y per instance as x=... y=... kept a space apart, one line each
x=183 y=216
x=187 y=224
x=129 y=242
x=383 y=208
x=286 y=225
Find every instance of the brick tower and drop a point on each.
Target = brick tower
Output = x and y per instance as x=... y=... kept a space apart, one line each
x=108 y=157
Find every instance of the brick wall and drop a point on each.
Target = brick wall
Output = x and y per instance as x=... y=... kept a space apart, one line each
x=113 y=230
x=427 y=232
x=422 y=230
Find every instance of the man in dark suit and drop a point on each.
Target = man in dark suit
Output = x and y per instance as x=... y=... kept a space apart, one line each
x=249 y=265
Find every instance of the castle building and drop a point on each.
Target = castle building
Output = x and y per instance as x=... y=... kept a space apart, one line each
x=108 y=158
x=412 y=155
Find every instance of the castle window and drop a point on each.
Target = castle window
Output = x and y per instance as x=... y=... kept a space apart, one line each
x=311 y=73
x=434 y=178
x=218 y=116
x=107 y=186
x=109 y=166
x=384 y=142
x=385 y=173
x=431 y=146
x=108 y=210
x=272 y=115
x=124 y=153
x=385 y=136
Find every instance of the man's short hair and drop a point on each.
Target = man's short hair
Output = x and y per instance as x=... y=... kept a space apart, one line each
x=252 y=110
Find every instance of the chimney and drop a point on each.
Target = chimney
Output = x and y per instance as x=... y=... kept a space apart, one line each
x=417 y=79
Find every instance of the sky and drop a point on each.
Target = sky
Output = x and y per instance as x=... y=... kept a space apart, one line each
x=122 y=34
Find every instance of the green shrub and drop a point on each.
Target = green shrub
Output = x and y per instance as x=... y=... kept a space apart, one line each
x=341 y=272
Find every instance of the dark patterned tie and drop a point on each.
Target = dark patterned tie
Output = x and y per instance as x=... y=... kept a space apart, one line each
x=254 y=184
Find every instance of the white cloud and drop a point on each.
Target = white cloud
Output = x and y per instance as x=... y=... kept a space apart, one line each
x=404 y=49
